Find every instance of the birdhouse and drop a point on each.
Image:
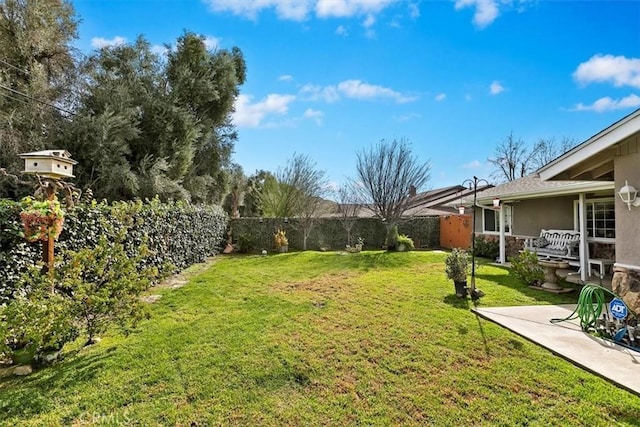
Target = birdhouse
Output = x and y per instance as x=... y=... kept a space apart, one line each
x=53 y=164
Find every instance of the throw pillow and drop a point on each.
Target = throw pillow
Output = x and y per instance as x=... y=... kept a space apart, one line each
x=540 y=242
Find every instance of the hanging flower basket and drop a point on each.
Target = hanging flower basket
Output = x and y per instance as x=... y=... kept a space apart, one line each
x=41 y=220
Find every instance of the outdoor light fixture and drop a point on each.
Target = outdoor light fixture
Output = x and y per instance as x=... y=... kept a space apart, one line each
x=461 y=210
x=286 y=219
x=496 y=202
x=260 y=220
x=473 y=185
x=629 y=194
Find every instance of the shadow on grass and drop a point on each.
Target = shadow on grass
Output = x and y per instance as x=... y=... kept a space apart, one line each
x=32 y=395
x=366 y=260
x=539 y=295
x=457 y=302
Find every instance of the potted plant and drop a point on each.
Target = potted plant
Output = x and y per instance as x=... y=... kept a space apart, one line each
x=405 y=243
x=457 y=265
x=281 y=241
x=41 y=220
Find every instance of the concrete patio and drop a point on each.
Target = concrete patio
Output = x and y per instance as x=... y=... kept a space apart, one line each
x=610 y=361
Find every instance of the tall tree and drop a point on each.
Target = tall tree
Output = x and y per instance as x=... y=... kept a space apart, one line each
x=512 y=159
x=237 y=185
x=349 y=206
x=295 y=191
x=255 y=184
x=547 y=150
x=207 y=84
x=386 y=172
x=36 y=70
x=148 y=126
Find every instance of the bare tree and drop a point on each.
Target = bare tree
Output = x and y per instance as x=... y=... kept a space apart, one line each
x=295 y=191
x=386 y=172
x=547 y=150
x=349 y=206
x=513 y=159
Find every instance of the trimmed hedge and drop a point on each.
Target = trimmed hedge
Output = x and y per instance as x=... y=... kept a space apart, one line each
x=329 y=233
x=176 y=234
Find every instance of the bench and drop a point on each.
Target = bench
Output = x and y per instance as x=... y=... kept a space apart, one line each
x=561 y=244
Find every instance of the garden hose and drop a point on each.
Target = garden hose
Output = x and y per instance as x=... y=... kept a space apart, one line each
x=588 y=310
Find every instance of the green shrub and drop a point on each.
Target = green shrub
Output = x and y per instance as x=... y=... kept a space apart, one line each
x=525 y=267
x=38 y=320
x=486 y=248
x=458 y=265
x=405 y=240
x=245 y=244
x=104 y=284
x=175 y=234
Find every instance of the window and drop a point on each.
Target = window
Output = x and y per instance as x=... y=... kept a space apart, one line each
x=601 y=219
x=491 y=220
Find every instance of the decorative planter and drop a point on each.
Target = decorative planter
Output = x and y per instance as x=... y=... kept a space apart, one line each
x=283 y=249
x=41 y=220
x=402 y=247
x=461 y=288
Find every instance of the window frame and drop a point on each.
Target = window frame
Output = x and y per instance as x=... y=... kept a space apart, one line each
x=592 y=202
x=508 y=219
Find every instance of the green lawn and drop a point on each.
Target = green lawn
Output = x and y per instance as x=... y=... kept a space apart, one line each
x=320 y=339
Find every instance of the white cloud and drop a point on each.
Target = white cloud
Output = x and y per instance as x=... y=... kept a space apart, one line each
x=299 y=10
x=608 y=104
x=353 y=89
x=251 y=115
x=474 y=164
x=495 y=88
x=368 y=24
x=159 y=49
x=617 y=70
x=441 y=97
x=318 y=93
x=342 y=31
x=414 y=11
x=211 y=42
x=314 y=114
x=347 y=8
x=295 y=10
x=407 y=117
x=285 y=78
x=100 y=42
x=357 y=89
x=486 y=11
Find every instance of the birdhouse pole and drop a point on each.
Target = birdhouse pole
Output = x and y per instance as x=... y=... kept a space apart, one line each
x=52 y=166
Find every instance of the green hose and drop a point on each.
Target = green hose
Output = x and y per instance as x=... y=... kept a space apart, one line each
x=590 y=304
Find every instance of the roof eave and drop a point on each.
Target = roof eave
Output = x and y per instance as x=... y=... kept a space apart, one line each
x=599 y=142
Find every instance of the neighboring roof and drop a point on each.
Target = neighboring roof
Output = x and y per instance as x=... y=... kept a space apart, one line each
x=440 y=202
x=531 y=187
x=593 y=159
x=429 y=203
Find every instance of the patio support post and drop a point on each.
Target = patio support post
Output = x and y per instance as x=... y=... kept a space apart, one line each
x=584 y=249
x=502 y=236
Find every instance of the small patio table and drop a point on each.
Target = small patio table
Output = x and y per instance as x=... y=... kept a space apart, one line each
x=550 y=268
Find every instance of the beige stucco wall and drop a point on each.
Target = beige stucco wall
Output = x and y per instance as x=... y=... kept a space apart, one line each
x=532 y=215
x=627 y=167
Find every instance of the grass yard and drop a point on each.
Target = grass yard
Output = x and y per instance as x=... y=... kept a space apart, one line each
x=320 y=339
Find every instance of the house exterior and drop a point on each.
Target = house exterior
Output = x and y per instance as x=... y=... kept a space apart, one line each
x=528 y=205
x=611 y=154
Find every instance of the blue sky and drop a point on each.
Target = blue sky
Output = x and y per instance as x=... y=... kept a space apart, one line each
x=330 y=77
